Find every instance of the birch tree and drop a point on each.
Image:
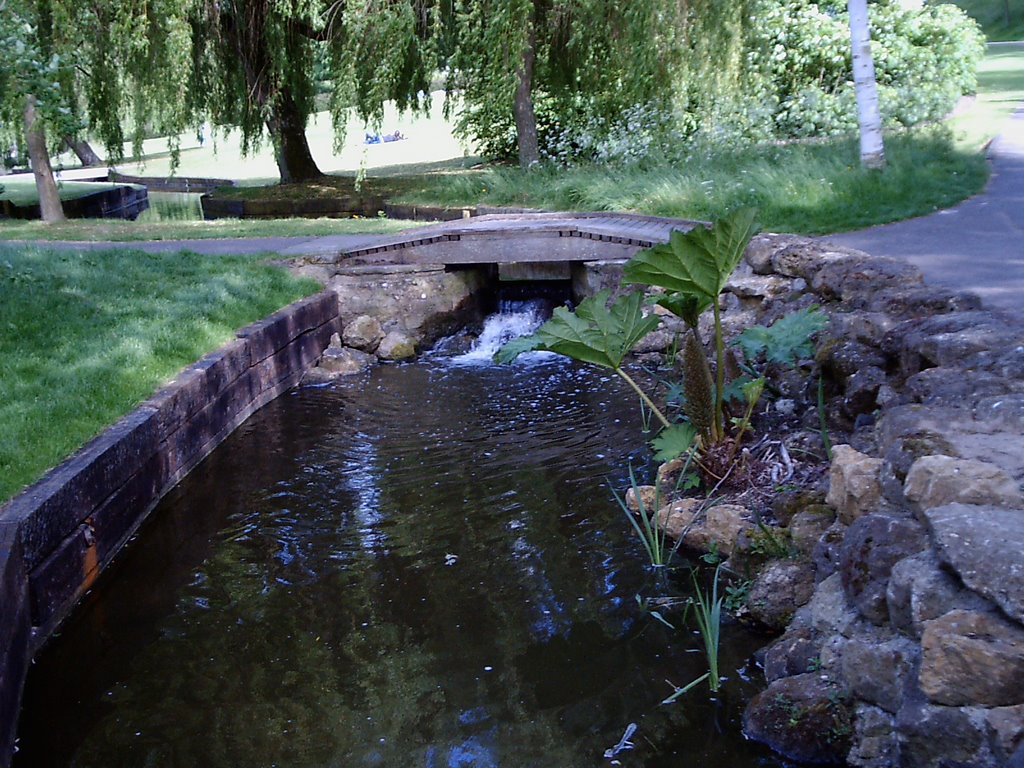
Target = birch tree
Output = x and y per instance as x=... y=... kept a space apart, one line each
x=869 y=117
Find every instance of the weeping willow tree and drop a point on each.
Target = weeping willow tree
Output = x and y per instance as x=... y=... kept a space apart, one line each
x=254 y=65
x=118 y=69
x=536 y=72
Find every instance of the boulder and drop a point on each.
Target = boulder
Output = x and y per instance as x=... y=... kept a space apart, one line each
x=942 y=737
x=779 y=590
x=875 y=742
x=955 y=386
x=397 y=346
x=719 y=527
x=873 y=545
x=936 y=480
x=860 y=391
x=829 y=612
x=645 y=495
x=807 y=718
x=878 y=672
x=858 y=276
x=363 y=333
x=345 y=361
x=676 y=518
x=984 y=546
x=792 y=654
x=808 y=526
x=920 y=590
x=951 y=340
x=970 y=658
x=855 y=486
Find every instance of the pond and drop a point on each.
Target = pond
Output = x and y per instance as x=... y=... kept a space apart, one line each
x=423 y=566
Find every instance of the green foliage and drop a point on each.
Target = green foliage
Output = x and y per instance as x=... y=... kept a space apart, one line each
x=771 y=543
x=128 y=322
x=785 y=341
x=697 y=264
x=800 y=63
x=708 y=611
x=595 y=333
x=672 y=442
x=645 y=523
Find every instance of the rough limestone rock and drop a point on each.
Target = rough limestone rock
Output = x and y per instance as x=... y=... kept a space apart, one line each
x=829 y=612
x=792 y=654
x=646 y=495
x=808 y=526
x=848 y=278
x=878 y=672
x=936 y=480
x=779 y=590
x=860 y=391
x=828 y=549
x=943 y=737
x=985 y=547
x=875 y=743
x=873 y=545
x=676 y=518
x=953 y=339
x=345 y=361
x=920 y=590
x=971 y=658
x=855 y=487
x=806 y=718
x=955 y=386
x=1007 y=724
x=363 y=333
x=397 y=346
x=720 y=527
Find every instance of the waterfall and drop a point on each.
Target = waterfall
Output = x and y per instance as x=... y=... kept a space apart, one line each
x=514 y=318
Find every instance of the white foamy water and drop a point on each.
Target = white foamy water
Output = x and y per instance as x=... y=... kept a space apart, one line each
x=514 y=319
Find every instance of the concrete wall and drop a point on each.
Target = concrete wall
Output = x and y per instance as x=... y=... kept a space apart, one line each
x=58 y=535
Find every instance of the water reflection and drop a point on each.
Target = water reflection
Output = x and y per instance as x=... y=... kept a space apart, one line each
x=422 y=567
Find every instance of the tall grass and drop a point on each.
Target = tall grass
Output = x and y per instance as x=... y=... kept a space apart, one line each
x=85 y=337
x=811 y=188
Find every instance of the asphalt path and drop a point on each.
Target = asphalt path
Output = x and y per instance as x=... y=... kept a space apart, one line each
x=977 y=246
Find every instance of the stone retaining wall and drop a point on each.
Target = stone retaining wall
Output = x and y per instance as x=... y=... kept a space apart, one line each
x=58 y=535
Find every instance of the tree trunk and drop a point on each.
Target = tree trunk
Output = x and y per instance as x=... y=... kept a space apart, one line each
x=49 y=197
x=526 y=119
x=869 y=118
x=83 y=151
x=287 y=129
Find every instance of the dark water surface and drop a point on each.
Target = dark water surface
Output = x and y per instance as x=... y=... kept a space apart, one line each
x=419 y=567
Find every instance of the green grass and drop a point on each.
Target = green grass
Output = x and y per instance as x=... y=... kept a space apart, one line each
x=992 y=16
x=111 y=230
x=21 y=190
x=86 y=337
x=801 y=187
x=1000 y=93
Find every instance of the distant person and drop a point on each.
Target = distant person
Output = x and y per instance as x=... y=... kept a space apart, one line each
x=396 y=136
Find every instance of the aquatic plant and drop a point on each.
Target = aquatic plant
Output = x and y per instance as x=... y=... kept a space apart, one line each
x=645 y=523
x=694 y=267
x=708 y=611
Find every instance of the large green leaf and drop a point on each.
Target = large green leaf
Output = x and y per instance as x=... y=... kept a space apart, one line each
x=787 y=340
x=595 y=333
x=699 y=262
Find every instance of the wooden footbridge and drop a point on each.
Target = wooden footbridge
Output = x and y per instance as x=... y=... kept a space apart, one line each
x=542 y=239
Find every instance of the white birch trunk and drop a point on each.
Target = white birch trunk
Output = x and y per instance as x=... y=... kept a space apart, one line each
x=869 y=118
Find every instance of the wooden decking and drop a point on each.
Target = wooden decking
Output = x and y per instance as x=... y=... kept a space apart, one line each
x=517 y=238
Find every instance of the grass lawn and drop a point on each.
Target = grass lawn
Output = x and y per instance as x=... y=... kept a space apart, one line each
x=114 y=230
x=1000 y=19
x=22 y=191
x=1000 y=94
x=86 y=337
